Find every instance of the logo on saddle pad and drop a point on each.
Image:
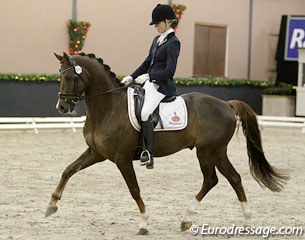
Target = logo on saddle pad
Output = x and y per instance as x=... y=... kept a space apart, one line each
x=173 y=114
x=175 y=118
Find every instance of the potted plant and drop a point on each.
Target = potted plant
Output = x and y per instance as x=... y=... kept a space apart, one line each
x=279 y=100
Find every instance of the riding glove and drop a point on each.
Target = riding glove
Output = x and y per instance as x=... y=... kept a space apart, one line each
x=142 y=78
x=127 y=80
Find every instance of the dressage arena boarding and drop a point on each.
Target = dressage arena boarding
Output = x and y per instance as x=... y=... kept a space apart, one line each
x=96 y=203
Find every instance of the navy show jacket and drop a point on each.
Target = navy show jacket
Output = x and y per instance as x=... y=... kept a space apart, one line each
x=161 y=64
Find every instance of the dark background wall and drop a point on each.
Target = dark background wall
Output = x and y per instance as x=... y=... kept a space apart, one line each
x=30 y=99
x=38 y=99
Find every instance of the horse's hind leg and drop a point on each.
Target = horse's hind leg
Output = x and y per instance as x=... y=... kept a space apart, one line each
x=207 y=165
x=87 y=159
x=225 y=167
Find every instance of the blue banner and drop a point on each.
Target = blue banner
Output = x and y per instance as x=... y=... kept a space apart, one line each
x=295 y=37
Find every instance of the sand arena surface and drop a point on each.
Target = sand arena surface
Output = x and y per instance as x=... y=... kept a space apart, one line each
x=96 y=203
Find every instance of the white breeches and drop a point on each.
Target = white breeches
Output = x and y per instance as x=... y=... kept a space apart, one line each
x=151 y=100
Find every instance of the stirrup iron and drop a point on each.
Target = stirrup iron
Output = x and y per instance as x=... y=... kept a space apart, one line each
x=147 y=159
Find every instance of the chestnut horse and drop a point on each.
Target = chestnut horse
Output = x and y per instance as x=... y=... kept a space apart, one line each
x=109 y=135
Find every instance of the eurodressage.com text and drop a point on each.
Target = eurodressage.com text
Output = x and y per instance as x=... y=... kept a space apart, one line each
x=265 y=232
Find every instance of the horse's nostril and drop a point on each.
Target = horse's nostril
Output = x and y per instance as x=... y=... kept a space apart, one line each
x=61 y=107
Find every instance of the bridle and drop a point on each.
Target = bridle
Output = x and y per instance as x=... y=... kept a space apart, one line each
x=78 y=74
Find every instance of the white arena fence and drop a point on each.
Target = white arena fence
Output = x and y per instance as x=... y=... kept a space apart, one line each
x=36 y=123
x=73 y=123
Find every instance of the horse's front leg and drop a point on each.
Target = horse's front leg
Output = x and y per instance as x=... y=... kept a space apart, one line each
x=127 y=170
x=88 y=158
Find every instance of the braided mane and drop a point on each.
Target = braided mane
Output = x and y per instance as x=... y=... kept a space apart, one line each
x=101 y=61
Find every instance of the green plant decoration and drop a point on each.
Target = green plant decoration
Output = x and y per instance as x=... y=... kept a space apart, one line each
x=78 y=33
x=179 y=11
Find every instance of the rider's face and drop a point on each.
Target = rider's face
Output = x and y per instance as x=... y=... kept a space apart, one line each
x=162 y=26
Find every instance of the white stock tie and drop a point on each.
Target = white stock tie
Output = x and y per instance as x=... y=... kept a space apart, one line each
x=161 y=39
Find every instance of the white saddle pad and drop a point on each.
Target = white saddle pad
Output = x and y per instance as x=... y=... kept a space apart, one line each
x=173 y=114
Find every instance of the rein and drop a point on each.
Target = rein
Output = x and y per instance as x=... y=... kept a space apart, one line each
x=81 y=98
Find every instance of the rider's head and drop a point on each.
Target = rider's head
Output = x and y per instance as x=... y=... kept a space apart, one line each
x=163 y=17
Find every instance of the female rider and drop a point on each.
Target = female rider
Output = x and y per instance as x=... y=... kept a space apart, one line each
x=156 y=73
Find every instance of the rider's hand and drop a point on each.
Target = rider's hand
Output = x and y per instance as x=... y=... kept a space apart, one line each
x=127 y=80
x=142 y=78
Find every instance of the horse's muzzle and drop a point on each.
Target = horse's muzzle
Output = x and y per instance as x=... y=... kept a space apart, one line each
x=65 y=107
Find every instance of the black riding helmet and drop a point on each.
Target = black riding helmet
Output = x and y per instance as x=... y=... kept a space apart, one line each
x=162 y=12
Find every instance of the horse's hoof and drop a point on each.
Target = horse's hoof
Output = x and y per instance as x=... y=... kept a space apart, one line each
x=142 y=231
x=185 y=226
x=50 y=211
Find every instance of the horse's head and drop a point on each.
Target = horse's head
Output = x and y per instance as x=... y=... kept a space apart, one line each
x=72 y=83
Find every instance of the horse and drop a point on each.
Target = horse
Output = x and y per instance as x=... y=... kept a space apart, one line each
x=110 y=135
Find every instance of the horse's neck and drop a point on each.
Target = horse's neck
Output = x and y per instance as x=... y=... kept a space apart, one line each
x=102 y=105
x=100 y=82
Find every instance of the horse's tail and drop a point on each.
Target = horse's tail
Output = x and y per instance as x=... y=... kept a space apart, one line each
x=260 y=169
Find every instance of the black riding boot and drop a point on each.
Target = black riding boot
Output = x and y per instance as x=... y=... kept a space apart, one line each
x=147 y=133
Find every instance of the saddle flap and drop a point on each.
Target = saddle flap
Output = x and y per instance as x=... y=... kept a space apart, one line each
x=139 y=95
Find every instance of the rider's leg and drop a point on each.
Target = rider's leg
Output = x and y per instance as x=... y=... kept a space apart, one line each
x=147 y=134
x=151 y=102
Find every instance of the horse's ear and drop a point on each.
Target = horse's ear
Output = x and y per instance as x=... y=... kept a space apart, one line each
x=66 y=57
x=60 y=58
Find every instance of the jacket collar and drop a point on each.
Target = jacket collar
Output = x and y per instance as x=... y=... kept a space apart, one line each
x=165 y=36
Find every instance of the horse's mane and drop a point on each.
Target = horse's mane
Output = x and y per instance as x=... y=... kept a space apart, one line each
x=101 y=61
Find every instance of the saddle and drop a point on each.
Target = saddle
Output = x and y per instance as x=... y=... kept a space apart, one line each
x=171 y=112
x=139 y=94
